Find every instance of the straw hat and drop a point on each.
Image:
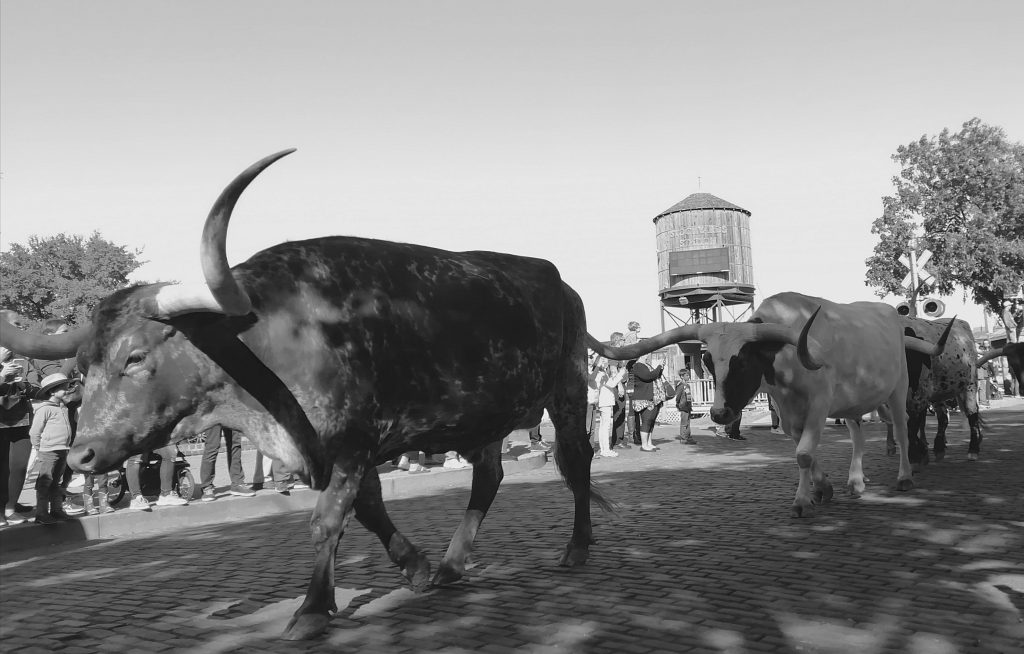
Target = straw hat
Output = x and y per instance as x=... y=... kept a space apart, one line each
x=54 y=380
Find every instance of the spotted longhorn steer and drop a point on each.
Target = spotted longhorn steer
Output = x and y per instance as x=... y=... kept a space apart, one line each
x=946 y=376
x=846 y=360
x=335 y=355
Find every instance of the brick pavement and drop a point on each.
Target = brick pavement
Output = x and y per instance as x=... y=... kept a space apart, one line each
x=702 y=556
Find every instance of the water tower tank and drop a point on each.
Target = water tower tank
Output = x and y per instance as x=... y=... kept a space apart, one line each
x=704 y=256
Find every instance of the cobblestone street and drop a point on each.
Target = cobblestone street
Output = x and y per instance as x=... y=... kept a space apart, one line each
x=702 y=556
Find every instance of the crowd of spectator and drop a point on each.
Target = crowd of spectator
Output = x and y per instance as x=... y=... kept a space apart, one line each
x=39 y=406
x=40 y=401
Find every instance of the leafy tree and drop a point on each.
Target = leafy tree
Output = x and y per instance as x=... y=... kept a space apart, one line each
x=967 y=190
x=63 y=276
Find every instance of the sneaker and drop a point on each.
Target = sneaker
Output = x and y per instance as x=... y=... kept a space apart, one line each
x=171 y=499
x=737 y=437
x=539 y=446
x=689 y=440
x=15 y=519
x=778 y=432
x=456 y=463
x=299 y=485
x=282 y=487
x=139 y=503
x=46 y=519
x=209 y=494
x=610 y=453
x=70 y=508
x=241 y=490
x=415 y=468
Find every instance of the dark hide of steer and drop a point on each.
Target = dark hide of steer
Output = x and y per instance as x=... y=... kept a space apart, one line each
x=335 y=355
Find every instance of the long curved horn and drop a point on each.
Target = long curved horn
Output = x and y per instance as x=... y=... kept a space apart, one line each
x=924 y=347
x=636 y=350
x=43 y=346
x=221 y=294
x=988 y=356
x=802 y=351
x=213 y=250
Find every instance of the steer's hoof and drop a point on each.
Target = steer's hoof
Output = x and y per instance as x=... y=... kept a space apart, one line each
x=940 y=455
x=972 y=456
x=890 y=450
x=574 y=556
x=823 y=492
x=802 y=511
x=304 y=626
x=447 y=574
x=856 y=489
x=904 y=484
x=417 y=573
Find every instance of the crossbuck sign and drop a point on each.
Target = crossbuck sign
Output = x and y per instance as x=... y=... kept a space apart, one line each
x=917 y=275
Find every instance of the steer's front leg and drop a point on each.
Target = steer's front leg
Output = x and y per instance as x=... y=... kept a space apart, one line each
x=330 y=516
x=487 y=476
x=371 y=513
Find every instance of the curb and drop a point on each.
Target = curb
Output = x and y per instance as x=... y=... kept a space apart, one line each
x=127 y=523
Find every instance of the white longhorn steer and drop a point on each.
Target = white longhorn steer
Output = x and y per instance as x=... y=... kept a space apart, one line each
x=846 y=360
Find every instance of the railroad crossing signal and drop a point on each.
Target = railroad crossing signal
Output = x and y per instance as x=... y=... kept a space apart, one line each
x=917 y=275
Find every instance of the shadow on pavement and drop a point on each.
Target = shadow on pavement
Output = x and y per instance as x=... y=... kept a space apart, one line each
x=702 y=556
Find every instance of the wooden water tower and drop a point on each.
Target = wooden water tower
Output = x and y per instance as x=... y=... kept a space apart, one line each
x=705 y=270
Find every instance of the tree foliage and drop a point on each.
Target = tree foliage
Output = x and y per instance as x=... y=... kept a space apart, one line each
x=63 y=276
x=967 y=191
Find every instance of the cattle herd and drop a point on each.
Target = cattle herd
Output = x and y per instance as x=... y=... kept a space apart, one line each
x=336 y=354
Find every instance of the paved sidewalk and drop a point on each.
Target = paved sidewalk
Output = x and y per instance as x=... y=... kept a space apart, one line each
x=701 y=556
x=226 y=508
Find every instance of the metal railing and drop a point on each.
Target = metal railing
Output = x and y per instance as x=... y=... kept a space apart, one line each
x=703 y=393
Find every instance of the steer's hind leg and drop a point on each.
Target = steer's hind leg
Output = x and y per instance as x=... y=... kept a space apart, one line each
x=330 y=516
x=969 y=405
x=898 y=406
x=573 y=455
x=855 y=483
x=370 y=512
x=487 y=476
x=942 y=417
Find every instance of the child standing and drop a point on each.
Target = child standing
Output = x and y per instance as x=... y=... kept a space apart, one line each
x=50 y=435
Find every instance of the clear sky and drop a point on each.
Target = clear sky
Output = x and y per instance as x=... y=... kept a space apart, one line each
x=550 y=129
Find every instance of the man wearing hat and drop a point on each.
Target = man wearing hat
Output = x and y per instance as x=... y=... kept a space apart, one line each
x=51 y=434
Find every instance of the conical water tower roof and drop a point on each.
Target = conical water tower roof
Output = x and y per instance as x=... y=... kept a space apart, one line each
x=699 y=201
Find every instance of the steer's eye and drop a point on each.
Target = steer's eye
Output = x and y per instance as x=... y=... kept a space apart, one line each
x=135 y=361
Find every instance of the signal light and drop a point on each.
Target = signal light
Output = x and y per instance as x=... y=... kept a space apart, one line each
x=933 y=307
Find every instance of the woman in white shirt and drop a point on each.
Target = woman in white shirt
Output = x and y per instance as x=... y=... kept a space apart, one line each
x=606 y=384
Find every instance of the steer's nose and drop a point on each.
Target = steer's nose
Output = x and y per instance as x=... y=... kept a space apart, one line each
x=80 y=460
x=722 y=416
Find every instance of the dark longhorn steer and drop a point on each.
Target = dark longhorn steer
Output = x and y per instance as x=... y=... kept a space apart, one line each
x=335 y=355
x=934 y=380
x=851 y=362
x=1014 y=353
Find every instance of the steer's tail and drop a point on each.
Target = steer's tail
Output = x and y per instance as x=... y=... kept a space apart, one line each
x=567 y=468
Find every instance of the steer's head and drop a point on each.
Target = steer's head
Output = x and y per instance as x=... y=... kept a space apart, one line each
x=739 y=356
x=146 y=373
x=143 y=378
